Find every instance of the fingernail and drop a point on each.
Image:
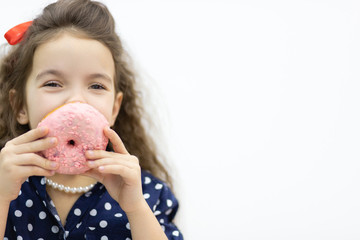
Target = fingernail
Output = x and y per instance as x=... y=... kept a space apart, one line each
x=91 y=163
x=53 y=140
x=42 y=129
x=54 y=164
x=101 y=168
x=90 y=153
x=52 y=172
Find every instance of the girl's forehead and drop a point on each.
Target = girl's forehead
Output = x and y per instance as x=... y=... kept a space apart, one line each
x=67 y=40
x=73 y=53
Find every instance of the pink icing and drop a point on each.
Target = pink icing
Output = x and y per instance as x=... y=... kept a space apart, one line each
x=78 y=127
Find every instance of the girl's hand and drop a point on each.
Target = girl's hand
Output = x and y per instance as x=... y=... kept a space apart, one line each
x=119 y=171
x=18 y=161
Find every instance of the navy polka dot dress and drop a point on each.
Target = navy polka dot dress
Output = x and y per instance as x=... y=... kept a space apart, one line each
x=95 y=215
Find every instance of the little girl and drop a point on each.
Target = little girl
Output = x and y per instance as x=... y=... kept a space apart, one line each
x=72 y=53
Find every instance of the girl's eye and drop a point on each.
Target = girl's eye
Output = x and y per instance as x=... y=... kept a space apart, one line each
x=52 y=84
x=97 y=86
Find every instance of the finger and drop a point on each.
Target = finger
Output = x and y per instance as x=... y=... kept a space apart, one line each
x=37 y=146
x=111 y=161
x=94 y=173
x=114 y=138
x=33 y=159
x=27 y=171
x=97 y=154
x=123 y=171
x=31 y=135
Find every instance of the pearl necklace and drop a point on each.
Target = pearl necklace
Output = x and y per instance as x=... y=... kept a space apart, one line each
x=68 y=189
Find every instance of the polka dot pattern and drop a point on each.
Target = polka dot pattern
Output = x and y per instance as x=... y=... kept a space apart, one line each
x=30 y=227
x=77 y=212
x=95 y=215
x=103 y=224
x=42 y=215
x=43 y=181
x=158 y=186
x=18 y=213
x=93 y=212
x=29 y=203
x=55 y=229
x=147 y=180
x=107 y=206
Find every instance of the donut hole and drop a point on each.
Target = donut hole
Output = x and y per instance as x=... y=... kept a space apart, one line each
x=71 y=143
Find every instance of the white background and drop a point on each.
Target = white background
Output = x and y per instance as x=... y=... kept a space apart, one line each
x=259 y=107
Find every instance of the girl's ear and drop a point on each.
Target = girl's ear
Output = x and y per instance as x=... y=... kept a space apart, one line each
x=116 y=107
x=22 y=117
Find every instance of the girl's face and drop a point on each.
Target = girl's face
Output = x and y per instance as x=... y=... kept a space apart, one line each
x=69 y=69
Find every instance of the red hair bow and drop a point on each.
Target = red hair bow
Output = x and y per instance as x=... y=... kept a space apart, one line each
x=15 y=35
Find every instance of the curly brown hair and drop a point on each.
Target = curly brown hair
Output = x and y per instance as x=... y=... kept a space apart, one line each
x=90 y=19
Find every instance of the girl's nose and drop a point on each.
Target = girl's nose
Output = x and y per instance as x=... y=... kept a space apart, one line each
x=76 y=96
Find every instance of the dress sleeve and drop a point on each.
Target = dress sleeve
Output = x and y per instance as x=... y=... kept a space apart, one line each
x=163 y=203
x=9 y=230
x=165 y=210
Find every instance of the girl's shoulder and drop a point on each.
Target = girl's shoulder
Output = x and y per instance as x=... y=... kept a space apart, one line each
x=152 y=183
x=163 y=203
x=157 y=193
x=147 y=178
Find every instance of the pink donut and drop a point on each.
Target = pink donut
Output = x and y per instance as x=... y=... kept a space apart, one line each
x=78 y=127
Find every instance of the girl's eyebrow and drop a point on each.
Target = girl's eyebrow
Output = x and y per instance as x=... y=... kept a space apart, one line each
x=100 y=75
x=49 y=72
x=61 y=75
